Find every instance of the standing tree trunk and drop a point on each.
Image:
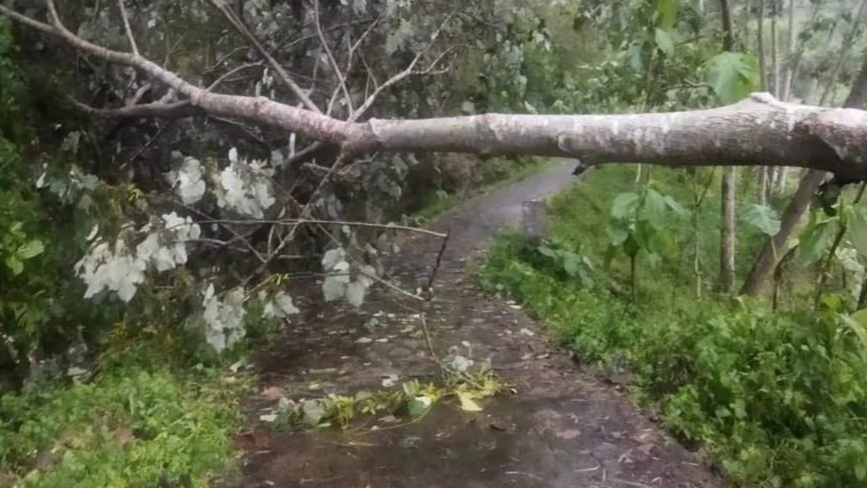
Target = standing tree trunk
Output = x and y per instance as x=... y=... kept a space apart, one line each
x=775 y=65
x=727 y=240
x=768 y=257
x=760 y=40
x=785 y=87
x=775 y=81
x=790 y=55
x=764 y=173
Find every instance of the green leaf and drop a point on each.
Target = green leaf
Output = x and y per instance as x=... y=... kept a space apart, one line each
x=313 y=412
x=732 y=76
x=631 y=246
x=857 y=323
x=761 y=217
x=571 y=264
x=655 y=209
x=31 y=249
x=15 y=265
x=666 y=13
x=634 y=56
x=547 y=251
x=674 y=206
x=419 y=405
x=664 y=42
x=815 y=239
x=857 y=228
x=617 y=234
x=624 y=205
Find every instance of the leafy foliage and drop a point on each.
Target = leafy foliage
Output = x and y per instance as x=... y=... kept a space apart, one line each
x=732 y=76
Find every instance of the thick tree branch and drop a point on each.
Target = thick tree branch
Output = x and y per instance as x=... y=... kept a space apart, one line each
x=756 y=131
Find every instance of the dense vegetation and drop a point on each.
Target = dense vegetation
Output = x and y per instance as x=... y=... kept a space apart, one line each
x=776 y=398
x=183 y=229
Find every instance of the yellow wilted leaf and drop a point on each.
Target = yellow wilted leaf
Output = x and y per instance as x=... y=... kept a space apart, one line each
x=467 y=402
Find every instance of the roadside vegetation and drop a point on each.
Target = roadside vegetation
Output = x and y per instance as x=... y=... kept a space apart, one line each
x=775 y=398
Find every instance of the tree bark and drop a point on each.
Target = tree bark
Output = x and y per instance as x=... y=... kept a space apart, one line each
x=767 y=258
x=728 y=236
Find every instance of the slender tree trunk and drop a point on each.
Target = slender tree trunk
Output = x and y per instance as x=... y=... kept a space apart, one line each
x=790 y=54
x=728 y=237
x=764 y=173
x=775 y=82
x=779 y=184
x=760 y=40
x=775 y=66
x=767 y=258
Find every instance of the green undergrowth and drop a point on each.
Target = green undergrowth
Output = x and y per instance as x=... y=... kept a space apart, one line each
x=137 y=422
x=775 y=399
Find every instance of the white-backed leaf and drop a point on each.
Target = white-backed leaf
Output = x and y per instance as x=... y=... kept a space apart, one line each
x=355 y=293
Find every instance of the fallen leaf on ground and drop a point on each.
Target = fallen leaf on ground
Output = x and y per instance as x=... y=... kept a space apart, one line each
x=467 y=402
x=273 y=392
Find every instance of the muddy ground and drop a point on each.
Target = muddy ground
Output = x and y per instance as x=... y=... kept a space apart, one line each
x=562 y=428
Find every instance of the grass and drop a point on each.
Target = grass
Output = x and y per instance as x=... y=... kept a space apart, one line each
x=129 y=426
x=775 y=399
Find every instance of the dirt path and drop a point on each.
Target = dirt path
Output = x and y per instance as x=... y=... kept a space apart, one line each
x=563 y=428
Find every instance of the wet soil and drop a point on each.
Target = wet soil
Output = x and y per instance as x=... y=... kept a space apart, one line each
x=562 y=428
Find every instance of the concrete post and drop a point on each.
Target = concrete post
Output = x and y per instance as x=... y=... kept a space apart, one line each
x=534 y=220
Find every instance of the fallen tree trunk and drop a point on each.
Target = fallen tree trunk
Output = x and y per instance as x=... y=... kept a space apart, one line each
x=757 y=131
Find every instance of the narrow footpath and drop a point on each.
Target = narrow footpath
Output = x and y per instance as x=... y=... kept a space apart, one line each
x=562 y=428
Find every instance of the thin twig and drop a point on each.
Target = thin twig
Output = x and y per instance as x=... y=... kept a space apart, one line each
x=281 y=73
x=403 y=74
x=231 y=72
x=349 y=58
x=330 y=55
x=126 y=27
x=433 y=273
x=325 y=222
x=433 y=353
